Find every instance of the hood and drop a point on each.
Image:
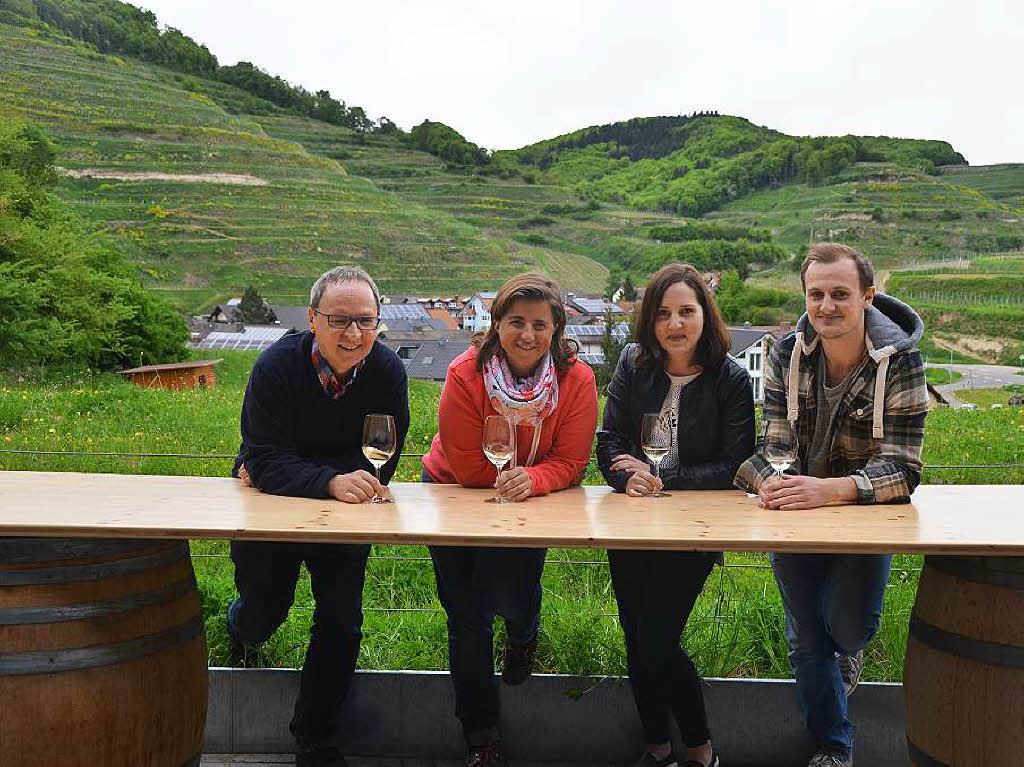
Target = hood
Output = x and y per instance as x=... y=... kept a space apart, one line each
x=890 y=327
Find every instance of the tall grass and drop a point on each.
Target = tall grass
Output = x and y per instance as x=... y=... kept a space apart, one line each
x=736 y=626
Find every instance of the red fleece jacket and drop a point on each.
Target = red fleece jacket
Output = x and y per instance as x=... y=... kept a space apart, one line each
x=566 y=437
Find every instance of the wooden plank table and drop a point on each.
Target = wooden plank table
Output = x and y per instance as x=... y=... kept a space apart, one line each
x=942 y=519
x=965 y=663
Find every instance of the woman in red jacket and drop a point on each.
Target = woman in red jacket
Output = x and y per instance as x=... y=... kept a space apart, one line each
x=522 y=368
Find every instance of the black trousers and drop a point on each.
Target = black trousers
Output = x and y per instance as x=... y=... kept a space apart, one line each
x=265 y=575
x=656 y=591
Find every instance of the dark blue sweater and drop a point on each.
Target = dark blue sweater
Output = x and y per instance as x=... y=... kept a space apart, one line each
x=295 y=438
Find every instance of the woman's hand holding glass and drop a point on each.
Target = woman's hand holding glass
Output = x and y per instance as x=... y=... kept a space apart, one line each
x=499 y=447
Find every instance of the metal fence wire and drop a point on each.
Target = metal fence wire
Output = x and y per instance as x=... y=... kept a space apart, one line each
x=720 y=596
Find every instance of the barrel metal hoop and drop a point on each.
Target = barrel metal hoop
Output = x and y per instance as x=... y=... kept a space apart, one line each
x=996 y=571
x=55 y=661
x=990 y=653
x=70 y=574
x=920 y=758
x=18 y=616
x=19 y=551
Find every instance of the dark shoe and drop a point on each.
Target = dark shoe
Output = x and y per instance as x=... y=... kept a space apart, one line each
x=650 y=760
x=822 y=759
x=486 y=756
x=518 y=662
x=713 y=763
x=319 y=756
x=850 y=667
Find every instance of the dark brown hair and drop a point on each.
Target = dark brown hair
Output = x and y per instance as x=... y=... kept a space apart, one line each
x=715 y=339
x=529 y=287
x=829 y=253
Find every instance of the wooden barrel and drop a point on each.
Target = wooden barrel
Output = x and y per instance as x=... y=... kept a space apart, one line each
x=102 y=653
x=964 y=676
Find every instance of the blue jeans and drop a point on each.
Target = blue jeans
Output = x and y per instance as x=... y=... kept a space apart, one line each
x=265 y=576
x=474 y=585
x=833 y=603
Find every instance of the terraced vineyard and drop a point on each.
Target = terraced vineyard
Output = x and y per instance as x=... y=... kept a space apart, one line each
x=208 y=199
x=266 y=210
x=896 y=215
x=972 y=307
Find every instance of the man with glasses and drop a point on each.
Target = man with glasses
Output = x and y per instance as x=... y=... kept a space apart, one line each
x=302 y=427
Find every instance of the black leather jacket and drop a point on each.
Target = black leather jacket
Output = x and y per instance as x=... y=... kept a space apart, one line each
x=716 y=422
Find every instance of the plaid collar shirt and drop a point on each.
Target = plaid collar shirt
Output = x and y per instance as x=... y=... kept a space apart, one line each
x=334 y=387
x=885 y=470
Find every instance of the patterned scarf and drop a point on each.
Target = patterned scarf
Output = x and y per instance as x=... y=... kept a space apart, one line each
x=530 y=399
x=334 y=387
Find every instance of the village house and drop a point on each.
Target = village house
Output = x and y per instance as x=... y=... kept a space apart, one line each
x=476 y=314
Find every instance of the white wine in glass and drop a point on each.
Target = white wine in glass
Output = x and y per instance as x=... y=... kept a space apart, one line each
x=498 y=444
x=781 y=451
x=656 y=443
x=379 y=442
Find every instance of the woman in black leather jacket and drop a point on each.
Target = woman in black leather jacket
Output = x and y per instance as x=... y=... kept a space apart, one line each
x=680 y=368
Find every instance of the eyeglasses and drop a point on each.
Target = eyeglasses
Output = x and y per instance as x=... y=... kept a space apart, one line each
x=342 y=321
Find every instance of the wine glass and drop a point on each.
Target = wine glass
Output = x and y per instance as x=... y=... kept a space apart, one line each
x=655 y=442
x=498 y=446
x=379 y=441
x=780 y=451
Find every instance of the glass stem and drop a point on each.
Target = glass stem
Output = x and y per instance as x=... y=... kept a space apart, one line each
x=656 y=475
x=376 y=471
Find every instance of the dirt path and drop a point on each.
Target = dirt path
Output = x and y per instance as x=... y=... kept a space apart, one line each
x=237 y=179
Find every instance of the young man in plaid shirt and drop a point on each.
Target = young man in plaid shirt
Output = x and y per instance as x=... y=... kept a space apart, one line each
x=850 y=382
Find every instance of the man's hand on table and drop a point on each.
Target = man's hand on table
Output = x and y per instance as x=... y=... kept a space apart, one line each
x=790 y=492
x=515 y=484
x=642 y=482
x=243 y=475
x=355 y=487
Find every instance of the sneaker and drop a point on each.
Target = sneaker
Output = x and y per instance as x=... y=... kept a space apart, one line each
x=650 y=760
x=486 y=756
x=319 y=756
x=850 y=668
x=830 y=760
x=518 y=662
x=713 y=763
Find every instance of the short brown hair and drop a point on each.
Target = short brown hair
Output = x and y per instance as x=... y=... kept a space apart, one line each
x=715 y=339
x=530 y=287
x=829 y=253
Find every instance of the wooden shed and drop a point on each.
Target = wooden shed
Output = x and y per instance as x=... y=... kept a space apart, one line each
x=175 y=375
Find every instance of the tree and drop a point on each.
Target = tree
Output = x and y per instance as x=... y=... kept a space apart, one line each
x=628 y=289
x=66 y=296
x=614 y=283
x=253 y=310
x=611 y=348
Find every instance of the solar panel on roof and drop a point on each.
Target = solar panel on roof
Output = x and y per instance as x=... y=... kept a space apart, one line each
x=403 y=312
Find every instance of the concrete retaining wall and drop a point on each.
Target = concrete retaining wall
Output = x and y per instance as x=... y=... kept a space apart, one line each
x=549 y=718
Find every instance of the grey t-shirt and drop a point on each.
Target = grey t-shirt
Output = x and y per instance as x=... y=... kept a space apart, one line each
x=828 y=399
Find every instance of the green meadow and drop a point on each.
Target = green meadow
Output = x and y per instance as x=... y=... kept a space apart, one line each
x=735 y=630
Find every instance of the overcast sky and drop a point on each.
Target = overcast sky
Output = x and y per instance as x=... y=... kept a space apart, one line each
x=509 y=74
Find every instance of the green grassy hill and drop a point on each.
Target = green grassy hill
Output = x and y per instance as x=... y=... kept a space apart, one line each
x=281 y=197
x=294 y=212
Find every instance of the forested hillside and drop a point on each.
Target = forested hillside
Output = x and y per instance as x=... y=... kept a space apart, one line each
x=212 y=177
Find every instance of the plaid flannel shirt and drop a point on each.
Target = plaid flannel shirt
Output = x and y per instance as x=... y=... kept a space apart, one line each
x=886 y=470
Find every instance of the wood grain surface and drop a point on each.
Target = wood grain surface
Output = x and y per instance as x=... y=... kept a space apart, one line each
x=949 y=519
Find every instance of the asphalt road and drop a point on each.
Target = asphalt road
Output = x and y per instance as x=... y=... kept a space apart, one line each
x=981 y=376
